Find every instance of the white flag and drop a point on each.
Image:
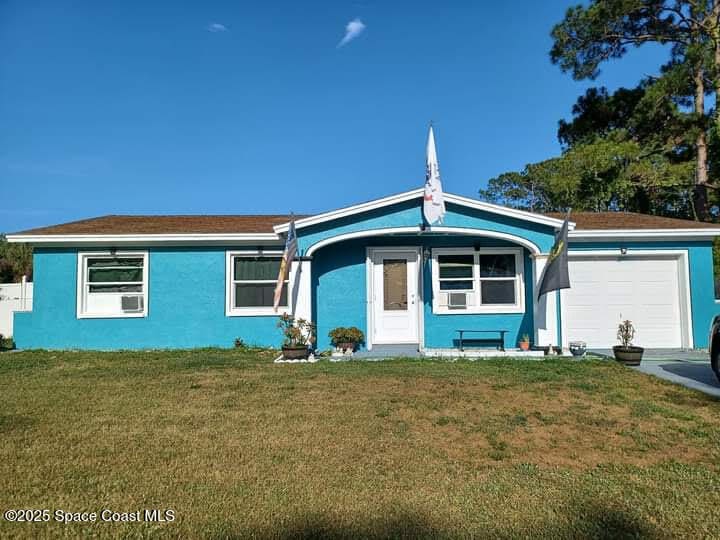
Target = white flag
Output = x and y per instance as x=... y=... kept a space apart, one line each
x=434 y=202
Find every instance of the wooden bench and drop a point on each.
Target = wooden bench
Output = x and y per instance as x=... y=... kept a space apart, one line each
x=499 y=341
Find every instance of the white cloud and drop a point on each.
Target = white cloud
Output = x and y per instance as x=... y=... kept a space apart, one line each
x=353 y=29
x=216 y=27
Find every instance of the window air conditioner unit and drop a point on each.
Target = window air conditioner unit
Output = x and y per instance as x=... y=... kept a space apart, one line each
x=131 y=303
x=457 y=300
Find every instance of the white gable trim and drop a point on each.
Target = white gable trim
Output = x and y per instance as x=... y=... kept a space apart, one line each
x=531 y=246
x=609 y=235
x=505 y=211
x=416 y=193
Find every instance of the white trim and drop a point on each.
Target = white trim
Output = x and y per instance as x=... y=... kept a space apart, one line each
x=135 y=239
x=544 y=307
x=369 y=291
x=531 y=246
x=477 y=307
x=685 y=298
x=232 y=311
x=301 y=288
x=506 y=211
x=414 y=194
x=80 y=285
x=640 y=234
x=369 y=317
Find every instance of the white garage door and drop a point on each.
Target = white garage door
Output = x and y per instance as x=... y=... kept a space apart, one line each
x=605 y=291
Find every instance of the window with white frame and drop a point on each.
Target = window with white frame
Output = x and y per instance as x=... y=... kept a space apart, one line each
x=489 y=280
x=112 y=284
x=251 y=279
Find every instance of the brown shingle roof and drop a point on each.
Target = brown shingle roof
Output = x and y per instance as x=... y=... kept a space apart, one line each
x=166 y=225
x=629 y=220
x=229 y=224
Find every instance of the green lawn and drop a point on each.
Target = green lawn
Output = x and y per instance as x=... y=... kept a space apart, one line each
x=239 y=447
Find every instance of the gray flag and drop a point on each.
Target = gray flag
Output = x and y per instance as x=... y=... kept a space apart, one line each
x=556 y=270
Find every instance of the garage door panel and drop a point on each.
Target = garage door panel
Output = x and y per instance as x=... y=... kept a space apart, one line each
x=658 y=337
x=618 y=311
x=617 y=289
x=605 y=291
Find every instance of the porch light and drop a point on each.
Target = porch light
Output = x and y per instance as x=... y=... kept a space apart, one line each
x=623 y=251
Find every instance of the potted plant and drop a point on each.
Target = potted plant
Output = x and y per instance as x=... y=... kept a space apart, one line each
x=346 y=339
x=525 y=342
x=577 y=348
x=627 y=353
x=298 y=335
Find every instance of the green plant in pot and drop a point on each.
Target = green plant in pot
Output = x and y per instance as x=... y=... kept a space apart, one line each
x=346 y=339
x=626 y=352
x=298 y=334
x=525 y=342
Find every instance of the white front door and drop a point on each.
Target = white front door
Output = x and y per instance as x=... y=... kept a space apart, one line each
x=395 y=295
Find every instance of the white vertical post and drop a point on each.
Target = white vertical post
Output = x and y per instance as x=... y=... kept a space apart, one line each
x=302 y=292
x=23 y=293
x=544 y=308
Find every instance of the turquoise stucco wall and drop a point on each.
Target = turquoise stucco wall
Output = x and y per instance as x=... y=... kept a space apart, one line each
x=186 y=307
x=340 y=282
x=409 y=214
x=702 y=288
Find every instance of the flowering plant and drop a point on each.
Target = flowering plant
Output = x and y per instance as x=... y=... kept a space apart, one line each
x=296 y=332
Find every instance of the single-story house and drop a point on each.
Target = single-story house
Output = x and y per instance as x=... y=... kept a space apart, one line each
x=135 y=282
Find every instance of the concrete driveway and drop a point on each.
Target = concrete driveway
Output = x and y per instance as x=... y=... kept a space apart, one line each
x=687 y=368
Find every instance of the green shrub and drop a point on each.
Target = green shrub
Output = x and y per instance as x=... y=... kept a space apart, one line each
x=343 y=334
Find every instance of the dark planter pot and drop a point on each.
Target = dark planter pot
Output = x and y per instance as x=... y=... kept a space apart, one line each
x=577 y=348
x=346 y=346
x=295 y=353
x=630 y=356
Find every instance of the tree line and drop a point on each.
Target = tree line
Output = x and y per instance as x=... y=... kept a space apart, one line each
x=15 y=261
x=654 y=148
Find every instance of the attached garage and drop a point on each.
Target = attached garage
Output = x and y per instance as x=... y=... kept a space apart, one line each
x=649 y=288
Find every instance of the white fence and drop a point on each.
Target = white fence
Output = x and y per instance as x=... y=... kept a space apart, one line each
x=13 y=297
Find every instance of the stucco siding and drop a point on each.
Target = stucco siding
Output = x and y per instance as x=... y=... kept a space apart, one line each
x=440 y=330
x=340 y=292
x=409 y=214
x=186 y=307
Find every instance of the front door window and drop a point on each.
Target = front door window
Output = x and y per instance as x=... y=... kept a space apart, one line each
x=395 y=284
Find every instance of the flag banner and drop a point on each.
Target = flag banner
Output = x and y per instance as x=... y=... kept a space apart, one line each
x=556 y=274
x=287 y=258
x=433 y=200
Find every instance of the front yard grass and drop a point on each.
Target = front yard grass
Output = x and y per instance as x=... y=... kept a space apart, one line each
x=239 y=447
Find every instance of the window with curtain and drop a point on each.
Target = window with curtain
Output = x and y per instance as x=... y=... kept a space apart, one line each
x=253 y=282
x=112 y=284
x=490 y=278
x=456 y=272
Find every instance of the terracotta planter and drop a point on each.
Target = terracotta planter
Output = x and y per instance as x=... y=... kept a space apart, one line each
x=630 y=356
x=524 y=345
x=296 y=353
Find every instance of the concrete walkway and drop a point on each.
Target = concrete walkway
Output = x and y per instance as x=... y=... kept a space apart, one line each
x=687 y=368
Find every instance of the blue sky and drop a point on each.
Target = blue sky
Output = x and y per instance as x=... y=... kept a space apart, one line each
x=139 y=107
